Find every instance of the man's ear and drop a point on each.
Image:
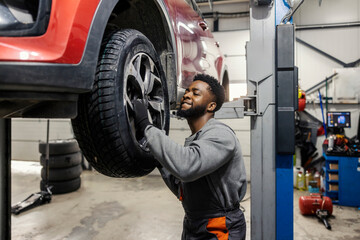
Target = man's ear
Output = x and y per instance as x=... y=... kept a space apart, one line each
x=211 y=107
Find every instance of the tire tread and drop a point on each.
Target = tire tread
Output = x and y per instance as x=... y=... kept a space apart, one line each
x=105 y=149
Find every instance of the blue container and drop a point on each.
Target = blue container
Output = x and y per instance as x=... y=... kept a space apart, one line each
x=344 y=188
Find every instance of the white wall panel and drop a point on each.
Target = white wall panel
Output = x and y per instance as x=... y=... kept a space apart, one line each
x=330 y=11
x=236 y=68
x=237 y=90
x=233 y=42
x=341 y=43
x=25 y=150
x=226 y=24
x=229 y=24
x=27 y=129
x=27 y=133
x=232 y=45
x=36 y=129
x=247 y=167
x=313 y=67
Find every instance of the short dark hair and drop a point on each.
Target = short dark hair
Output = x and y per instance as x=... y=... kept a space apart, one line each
x=215 y=87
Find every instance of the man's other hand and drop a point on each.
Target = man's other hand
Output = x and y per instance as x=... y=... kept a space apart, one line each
x=141 y=116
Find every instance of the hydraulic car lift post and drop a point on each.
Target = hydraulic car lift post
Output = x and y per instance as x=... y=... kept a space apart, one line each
x=271 y=102
x=272 y=77
x=5 y=179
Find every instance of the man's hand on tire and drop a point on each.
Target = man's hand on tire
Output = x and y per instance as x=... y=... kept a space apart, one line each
x=140 y=116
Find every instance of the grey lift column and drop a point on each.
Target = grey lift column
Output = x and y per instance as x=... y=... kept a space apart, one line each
x=260 y=52
x=259 y=104
x=270 y=102
x=272 y=85
x=5 y=179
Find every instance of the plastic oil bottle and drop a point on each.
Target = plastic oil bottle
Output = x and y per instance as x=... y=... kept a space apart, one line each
x=317 y=179
x=308 y=178
x=300 y=181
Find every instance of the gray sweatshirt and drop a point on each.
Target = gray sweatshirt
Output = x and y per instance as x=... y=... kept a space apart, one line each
x=208 y=173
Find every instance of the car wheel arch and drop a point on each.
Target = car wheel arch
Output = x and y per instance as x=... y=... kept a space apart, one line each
x=166 y=48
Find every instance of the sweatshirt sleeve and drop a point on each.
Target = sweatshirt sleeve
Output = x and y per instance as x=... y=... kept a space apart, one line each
x=203 y=156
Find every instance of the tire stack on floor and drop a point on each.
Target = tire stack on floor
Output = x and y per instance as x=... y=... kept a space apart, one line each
x=64 y=166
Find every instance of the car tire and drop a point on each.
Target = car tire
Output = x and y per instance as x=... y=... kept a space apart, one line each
x=62 y=161
x=128 y=69
x=62 y=174
x=57 y=147
x=63 y=186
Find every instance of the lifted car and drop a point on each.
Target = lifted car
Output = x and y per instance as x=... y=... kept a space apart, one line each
x=89 y=59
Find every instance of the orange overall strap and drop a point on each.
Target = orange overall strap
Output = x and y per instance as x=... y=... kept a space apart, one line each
x=181 y=198
x=217 y=226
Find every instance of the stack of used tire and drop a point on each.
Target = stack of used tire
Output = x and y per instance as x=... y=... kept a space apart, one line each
x=64 y=166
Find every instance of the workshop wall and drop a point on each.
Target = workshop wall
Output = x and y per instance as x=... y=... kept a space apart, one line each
x=235 y=59
x=232 y=15
x=27 y=133
x=341 y=43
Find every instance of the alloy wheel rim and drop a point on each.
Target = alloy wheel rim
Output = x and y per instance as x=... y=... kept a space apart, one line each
x=143 y=82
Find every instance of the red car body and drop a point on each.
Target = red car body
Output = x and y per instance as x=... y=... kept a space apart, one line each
x=63 y=59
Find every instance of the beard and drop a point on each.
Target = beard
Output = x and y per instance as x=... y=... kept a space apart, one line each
x=193 y=112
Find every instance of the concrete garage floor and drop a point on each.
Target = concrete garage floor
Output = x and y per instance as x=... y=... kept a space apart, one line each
x=128 y=209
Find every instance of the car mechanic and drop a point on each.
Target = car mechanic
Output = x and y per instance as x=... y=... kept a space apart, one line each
x=207 y=174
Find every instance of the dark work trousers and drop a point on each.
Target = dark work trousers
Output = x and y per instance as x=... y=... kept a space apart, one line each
x=223 y=226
